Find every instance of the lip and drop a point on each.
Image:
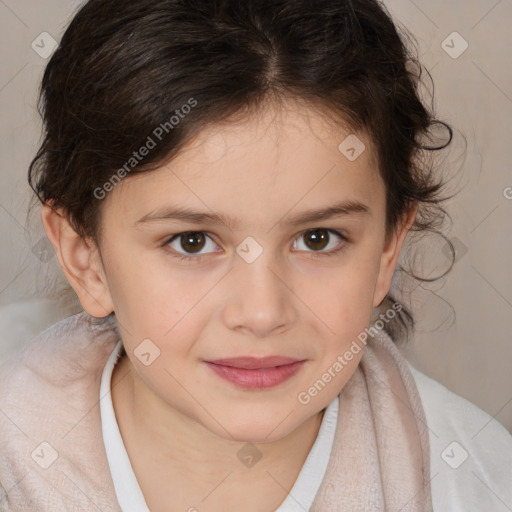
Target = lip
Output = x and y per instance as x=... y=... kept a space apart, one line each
x=253 y=363
x=265 y=373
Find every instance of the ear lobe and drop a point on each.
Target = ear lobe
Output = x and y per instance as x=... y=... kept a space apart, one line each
x=80 y=260
x=390 y=255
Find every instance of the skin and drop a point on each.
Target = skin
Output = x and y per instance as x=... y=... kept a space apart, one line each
x=180 y=422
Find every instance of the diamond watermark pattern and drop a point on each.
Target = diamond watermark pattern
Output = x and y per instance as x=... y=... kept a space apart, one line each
x=460 y=249
x=146 y=352
x=249 y=250
x=454 y=455
x=352 y=147
x=43 y=250
x=45 y=455
x=249 y=455
x=454 y=45
x=44 y=45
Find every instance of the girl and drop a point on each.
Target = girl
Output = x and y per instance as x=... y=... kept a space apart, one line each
x=228 y=186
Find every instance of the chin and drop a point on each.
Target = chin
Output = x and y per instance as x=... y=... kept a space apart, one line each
x=255 y=436
x=254 y=430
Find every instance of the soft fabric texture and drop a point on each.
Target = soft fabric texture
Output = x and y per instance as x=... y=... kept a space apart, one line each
x=470 y=452
x=129 y=494
x=53 y=457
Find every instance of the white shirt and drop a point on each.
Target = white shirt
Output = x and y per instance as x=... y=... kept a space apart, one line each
x=471 y=453
x=129 y=494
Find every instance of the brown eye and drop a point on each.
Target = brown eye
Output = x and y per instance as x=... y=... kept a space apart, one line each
x=192 y=241
x=318 y=240
x=192 y=245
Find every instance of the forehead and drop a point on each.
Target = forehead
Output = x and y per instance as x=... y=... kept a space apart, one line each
x=273 y=159
x=273 y=131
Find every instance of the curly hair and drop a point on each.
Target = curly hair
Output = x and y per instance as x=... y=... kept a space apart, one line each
x=123 y=67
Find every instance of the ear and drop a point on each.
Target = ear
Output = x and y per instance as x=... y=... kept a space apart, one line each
x=390 y=255
x=80 y=260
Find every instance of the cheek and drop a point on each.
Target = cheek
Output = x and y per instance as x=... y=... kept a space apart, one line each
x=344 y=306
x=144 y=298
x=344 y=298
x=169 y=312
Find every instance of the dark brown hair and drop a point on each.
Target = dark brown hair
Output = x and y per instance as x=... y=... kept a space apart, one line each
x=125 y=67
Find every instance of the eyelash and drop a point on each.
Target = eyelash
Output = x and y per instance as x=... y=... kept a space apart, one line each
x=182 y=257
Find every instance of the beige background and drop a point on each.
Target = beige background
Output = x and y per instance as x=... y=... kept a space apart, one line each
x=470 y=354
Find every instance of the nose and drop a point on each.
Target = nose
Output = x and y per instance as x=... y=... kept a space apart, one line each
x=259 y=300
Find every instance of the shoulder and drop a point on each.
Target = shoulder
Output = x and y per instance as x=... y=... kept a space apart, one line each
x=471 y=452
x=49 y=396
x=4 y=504
x=55 y=364
x=65 y=351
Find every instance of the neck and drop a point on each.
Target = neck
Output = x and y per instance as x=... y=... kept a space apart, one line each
x=161 y=440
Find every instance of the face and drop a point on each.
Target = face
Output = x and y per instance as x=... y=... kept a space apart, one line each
x=255 y=271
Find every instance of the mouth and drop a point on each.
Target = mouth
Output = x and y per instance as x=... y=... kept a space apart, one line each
x=256 y=373
x=255 y=363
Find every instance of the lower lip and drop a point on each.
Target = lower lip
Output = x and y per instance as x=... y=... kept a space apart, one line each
x=259 y=378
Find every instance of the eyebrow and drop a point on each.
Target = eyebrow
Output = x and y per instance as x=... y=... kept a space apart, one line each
x=197 y=217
